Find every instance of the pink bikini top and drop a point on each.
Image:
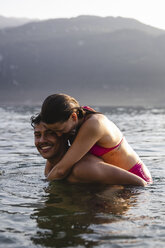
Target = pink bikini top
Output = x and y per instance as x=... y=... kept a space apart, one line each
x=99 y=150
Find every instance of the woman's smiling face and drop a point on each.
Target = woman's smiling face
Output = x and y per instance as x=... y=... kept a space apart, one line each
x=67 y=127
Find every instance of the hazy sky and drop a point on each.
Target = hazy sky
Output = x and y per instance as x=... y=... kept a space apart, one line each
x=150 y=12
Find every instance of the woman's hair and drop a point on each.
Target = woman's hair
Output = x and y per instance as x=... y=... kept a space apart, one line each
x=59 y=107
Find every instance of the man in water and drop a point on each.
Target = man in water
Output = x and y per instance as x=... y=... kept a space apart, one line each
x=90 y=169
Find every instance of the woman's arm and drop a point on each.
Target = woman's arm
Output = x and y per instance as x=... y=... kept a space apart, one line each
x=89 y=133
x=63 y=147
x=61 y=150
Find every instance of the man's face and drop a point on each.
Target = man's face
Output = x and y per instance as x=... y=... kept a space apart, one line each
x=46 y=141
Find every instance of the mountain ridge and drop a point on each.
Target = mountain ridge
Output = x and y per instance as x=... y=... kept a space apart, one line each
x=9 y=22
x=79 y=56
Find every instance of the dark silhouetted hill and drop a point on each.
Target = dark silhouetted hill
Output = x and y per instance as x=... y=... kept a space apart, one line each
x=97 y=60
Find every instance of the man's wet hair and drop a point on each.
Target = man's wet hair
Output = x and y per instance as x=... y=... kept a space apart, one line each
x=35 y=120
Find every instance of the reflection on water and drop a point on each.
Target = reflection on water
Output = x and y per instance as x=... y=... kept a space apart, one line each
x=35 y=213
x=72 y=210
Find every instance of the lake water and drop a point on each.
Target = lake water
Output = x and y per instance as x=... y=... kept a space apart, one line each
x=36 y=213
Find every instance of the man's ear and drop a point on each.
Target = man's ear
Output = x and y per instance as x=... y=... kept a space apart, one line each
x=74 y=116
